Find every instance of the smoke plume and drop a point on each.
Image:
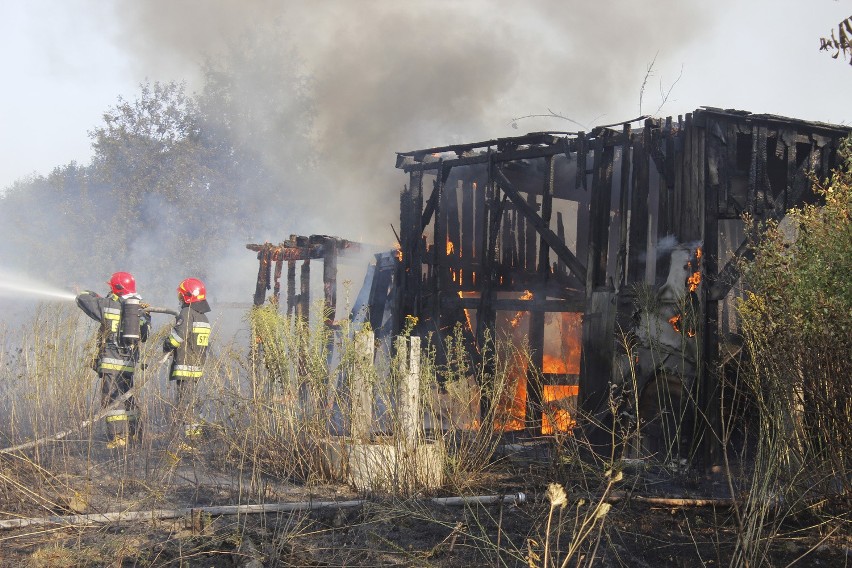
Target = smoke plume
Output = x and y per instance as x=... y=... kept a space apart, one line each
x=389 y=76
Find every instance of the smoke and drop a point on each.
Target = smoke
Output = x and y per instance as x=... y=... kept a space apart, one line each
x=325 y=93
x=381 y=77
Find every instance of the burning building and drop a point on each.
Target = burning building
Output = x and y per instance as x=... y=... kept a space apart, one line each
x=554 y=237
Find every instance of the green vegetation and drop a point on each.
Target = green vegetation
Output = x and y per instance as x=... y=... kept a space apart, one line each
x=796 y=320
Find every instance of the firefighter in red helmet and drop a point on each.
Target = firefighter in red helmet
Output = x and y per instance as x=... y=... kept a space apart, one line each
x=188 y=343
x=123 y=326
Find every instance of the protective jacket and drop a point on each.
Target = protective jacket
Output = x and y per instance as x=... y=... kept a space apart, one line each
x=115 y=356
x=189 y=340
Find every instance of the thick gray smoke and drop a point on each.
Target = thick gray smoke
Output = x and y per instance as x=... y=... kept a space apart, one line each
x=384 y=76
x=325 y=92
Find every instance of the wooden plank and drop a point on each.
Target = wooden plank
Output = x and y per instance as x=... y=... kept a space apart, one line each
x=453 y=234
x=530 y=236
x=788 y=137
x=581 y=161
x=546 y=212
x=480 y=226
x=623 y=208
x=730 y=167
x=700 y=169
x=439 y=248
x=417 y=249
x=329 y=284
x=752 y=174
x=486 y=323
x=762 y=193
x=409 y=227
x=596 y=364
x=709 y=372
x=577 y=304
x=291 y=287
x=638 y=247
x=560 y=233
x=263 y=275
x=304 y=310
x=681 y=160
x=600 y=217
x=521 y=235
x=532 y=217
x=507 y=242
x=276 y=290
x=467 y=232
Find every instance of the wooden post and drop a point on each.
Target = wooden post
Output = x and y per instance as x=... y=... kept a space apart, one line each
x=596 y=365
x=596 y=268
x=263 y=275
x=708 y=371
x=638 y=249
x=536 y=331
x=291 y=287
x=530 y=233
x=329 y=281
x=361 y=387
x=304 y=311
x=439 y=248
x=467 y=238
x=623 y=207
x=276 y=291
x=408 y=351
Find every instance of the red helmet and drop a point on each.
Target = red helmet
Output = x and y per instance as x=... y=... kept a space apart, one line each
x=191 y=290
x=122 y=284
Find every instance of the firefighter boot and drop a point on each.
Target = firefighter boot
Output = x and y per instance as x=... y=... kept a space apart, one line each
x=117 y=428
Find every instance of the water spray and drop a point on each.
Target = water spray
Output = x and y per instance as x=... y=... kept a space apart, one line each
x=26 y=287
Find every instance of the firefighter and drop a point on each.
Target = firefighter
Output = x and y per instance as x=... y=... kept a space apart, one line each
x=188 y=344
x=123 y=325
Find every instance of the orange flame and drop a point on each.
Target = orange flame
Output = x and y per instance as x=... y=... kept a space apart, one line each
x=398 y=252
x=517 y=319
x=694 y=280
x=450 y=247
x=674 y=321
x=555 y=416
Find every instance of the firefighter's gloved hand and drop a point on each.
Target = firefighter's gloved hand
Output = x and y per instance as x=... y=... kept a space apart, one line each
x=167 y=346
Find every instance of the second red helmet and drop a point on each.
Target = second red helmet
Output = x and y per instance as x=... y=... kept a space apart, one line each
x=122 y=283
x=191 y=290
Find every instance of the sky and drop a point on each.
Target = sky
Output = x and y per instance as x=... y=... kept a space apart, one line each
x=392 y=76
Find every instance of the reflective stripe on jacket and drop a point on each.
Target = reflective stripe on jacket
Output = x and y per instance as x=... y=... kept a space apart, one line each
x=189 y=340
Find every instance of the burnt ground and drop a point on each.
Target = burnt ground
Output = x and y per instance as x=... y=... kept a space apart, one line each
x=383 y=532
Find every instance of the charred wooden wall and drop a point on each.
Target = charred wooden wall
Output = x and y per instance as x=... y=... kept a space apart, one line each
x=551 y=223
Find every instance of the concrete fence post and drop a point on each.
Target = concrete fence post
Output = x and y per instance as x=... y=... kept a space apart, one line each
x=361 y=387
x=408 y=353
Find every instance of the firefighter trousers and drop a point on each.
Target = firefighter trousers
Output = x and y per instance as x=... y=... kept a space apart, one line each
x=121 y=422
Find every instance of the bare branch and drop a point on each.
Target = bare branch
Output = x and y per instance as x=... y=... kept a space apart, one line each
x=665 y=96
x=648 y=72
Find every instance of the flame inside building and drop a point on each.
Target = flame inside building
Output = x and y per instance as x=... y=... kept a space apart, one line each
x=542 y=239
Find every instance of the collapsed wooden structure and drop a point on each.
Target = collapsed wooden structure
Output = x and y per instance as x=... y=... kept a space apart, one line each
x=561 y=226
x=299 y=249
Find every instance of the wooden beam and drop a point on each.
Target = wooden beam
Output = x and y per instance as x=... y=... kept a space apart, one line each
x=638 y=248
x=559 y=247
x=624 y=208
x=577 y=304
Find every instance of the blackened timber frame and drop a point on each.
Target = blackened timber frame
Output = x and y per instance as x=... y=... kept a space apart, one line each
x=677 y=181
